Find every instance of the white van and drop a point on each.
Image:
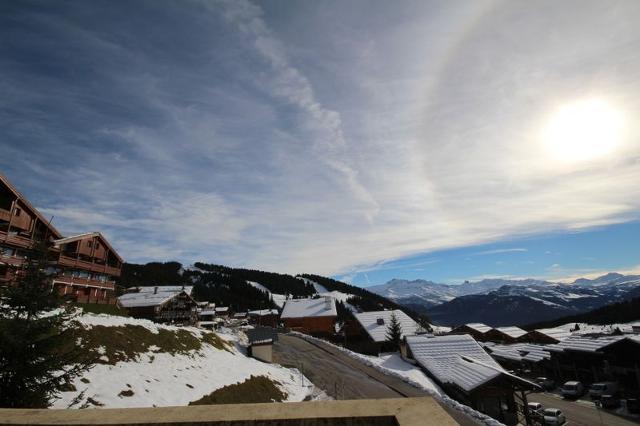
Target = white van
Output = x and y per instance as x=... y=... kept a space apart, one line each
x=572 y=389
x=603 y=388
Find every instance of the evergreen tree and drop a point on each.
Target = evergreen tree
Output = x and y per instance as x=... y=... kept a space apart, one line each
x=394 y=331
x=38 y=353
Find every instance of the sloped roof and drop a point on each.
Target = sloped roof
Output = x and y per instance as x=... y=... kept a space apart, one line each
x=378 y=332
x=557 y=333
x=519 y=352
x=585 y=344
x=443 y=357
x=458 y=360
x=264 y=312
x=166 y=289
x=479 y=327
x=147 y=296
x=67 y=240
x=300 y=308
x=513 y=332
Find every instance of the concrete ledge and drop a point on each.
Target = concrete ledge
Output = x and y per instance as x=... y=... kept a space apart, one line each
x=382 y=412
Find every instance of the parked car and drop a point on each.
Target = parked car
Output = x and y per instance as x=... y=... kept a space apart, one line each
x=535 y=407
x=603 y=388
x=546 y=383
x=609 y=401
x=572 y=389
x=633 y=405
x=553 y=416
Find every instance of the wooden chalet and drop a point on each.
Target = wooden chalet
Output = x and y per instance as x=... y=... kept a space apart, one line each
x=505 y=335
x=547 y=336
x=591 y=359
x=164 y=304
x=477 y=330
x=368 y=333
x=264 y=317
x=83 y=267
x=462 y=368
x=311 y=316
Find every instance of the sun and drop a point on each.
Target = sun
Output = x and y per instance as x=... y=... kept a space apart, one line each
x=583 y=131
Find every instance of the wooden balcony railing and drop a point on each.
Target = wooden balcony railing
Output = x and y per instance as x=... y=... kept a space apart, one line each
x=88 y=266
x=109 y=285
x=15 y=239
x=11 y=260
x=5 y=215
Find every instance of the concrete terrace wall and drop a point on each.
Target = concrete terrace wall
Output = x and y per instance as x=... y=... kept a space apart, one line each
x=379 y=412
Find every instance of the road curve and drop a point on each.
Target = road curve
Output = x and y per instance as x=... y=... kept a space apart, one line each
x=343 y=377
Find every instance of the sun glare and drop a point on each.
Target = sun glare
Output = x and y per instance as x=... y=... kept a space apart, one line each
x=582 y=131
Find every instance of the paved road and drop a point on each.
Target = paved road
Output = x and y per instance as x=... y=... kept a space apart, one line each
x=343 y=377
x=580 y=413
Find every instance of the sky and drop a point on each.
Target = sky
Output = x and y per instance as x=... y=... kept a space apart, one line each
x=365 y=140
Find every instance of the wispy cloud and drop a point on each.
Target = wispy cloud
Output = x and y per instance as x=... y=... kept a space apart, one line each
x=500 y=251
x=313 y=137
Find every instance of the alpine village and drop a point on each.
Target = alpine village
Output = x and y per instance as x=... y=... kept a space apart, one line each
x=253 y=336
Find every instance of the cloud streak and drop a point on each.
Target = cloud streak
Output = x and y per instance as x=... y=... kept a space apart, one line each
x=312 y=138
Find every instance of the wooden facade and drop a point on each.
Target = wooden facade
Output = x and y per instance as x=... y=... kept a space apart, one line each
x=82 y=267
x=172 y=307
x=315 y=326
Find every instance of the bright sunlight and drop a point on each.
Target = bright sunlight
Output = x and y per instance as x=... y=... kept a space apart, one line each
x=582 y=131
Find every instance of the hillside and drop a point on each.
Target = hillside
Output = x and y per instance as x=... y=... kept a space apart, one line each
x=246 y=289
x=622 y=312
x=142 y=364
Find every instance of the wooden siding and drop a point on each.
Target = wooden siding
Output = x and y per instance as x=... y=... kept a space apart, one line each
x=311 y=325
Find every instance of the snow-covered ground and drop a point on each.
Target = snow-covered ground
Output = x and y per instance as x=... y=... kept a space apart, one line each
x=278 y=299
x=162 y=379
x=337 y=295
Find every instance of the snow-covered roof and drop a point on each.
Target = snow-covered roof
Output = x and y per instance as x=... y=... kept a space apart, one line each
x=479 y=327
x=585 y=344
x=299 y=308
x=513 y=332
x=442 y=357
x=519 y=352
x=378 y=332
x=222 y=309
x=264 y=312
x=557 y=333
x=165 y=289
x=458 y=360
x=207 y=312
x=151 y=296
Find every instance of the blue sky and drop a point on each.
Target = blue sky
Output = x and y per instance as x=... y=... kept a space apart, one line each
x=329 y=137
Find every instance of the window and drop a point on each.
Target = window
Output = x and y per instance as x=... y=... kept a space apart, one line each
x=89 y=244
x=16 y=212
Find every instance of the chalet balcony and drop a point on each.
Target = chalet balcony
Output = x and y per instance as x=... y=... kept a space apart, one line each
x=109 y=285
x=15 y=240
x=22 y=222
x=5 y=215
x=11 y=260
x=88 y=266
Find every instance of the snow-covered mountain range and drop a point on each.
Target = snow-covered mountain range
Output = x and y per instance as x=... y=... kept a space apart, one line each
x=509 y=302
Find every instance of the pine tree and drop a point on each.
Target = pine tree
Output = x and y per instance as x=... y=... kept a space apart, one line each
x=394 y=331
x=38 y=354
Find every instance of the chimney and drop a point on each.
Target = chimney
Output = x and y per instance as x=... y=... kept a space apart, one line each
x=380 y=321
x=155 y=290
x=327 y=302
